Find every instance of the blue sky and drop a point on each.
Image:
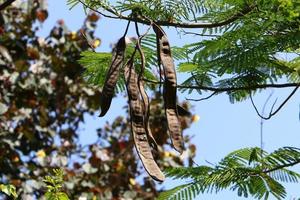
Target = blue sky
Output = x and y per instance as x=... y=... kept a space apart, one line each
x=222 y=128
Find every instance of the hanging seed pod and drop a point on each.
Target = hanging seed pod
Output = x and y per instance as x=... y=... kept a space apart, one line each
x=137 y=123
x=145 y=98
x=112 y=76
x=169 y=92
x=146 y=105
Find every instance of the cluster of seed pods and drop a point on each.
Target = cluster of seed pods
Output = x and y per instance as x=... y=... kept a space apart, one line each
x=139 y=102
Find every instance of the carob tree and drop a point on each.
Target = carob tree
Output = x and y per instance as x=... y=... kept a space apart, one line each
x=138 y=98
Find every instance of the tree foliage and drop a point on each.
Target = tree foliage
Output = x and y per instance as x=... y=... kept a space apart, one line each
x=242 y=47
x=44 y=97
x=43 y=103
x=245 y=44
x=249 y=172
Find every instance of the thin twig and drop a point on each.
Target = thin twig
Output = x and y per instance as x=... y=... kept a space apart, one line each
x=271 y=114
x=127 y=27
x=202 y=99
x=5 y=4
x=199 y=34
x=97 y=11
x=262 y=124
x=282 y=166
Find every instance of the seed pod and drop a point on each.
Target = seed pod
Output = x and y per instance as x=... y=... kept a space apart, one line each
x=112 y=76
x=169 y=92
x=146 y=105
x=145 y=98
x=137 y=124
x=182 y=112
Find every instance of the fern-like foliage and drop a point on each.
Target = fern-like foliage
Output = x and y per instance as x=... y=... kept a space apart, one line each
x=96 y=63
x=245 y=44
x=247 y=51
x=249 y=172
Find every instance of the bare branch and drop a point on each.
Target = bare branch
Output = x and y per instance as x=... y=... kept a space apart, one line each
x=271 y=114
x=5 y=4
x=202 y=99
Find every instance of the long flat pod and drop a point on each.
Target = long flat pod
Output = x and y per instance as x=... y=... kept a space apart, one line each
x=169 y=92
x=145 y=98
x=137 y=124
x=112 y=76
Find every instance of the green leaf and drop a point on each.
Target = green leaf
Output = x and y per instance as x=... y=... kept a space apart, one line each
x=187 y=67
x=9 y=190
x=96 y=65
x=62 y=196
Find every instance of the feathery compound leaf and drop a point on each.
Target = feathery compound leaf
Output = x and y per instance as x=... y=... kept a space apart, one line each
x=249 y=172
x=96 y=65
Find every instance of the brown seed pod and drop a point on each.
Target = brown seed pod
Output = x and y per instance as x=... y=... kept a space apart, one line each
x=137 y=123
x=145 y=98
x=146 y=105
x=169 y=92
x=112 y=76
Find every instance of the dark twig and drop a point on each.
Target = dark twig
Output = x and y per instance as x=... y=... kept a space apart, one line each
x=202 y=99
x=282 y=166
x=5 y=4
x=271 y=114
x=100 y=13
x=127 y=27
x=199 y=34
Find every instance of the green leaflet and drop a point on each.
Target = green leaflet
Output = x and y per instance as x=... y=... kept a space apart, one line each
x=9 y=190
x=96 y=64
x=187 y=67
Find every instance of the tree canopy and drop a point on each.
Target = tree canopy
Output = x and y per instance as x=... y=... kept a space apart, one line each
x=239 y=51
x=239 y=41
x=44 y=99
x=45 y=93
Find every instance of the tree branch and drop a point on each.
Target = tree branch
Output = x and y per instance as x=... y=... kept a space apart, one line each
x=230 y=89
x=271 y=114
x=199 y=34
x=202 y=99
x=5 y=4
x=116 y=15
x=282 y=166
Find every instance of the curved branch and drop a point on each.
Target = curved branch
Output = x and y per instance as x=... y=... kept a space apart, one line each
x=115 y=15
x=202 y=99
x=271 y=114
